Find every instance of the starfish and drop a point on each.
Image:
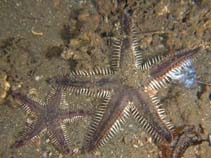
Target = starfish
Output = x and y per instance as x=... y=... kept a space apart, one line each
x=120 y=87
x=50 y=119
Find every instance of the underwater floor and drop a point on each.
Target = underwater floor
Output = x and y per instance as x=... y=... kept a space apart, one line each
x=40 y=39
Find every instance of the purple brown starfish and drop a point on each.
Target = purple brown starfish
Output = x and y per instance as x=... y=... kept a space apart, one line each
x=121 y=88
x=50 y=119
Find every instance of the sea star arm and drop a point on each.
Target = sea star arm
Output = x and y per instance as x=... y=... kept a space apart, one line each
x=97 y=87
x=163 y=73
x=58 y=137
x=161 y=113
x=136 y=50
x=28 y=104
x=32 y=133
x=145 y=117
x=120 y=45
x=107 y=121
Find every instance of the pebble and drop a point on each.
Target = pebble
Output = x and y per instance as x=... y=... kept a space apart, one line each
x=4 y=88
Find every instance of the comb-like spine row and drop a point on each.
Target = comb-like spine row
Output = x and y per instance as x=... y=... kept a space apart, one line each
x=92 y=92
x=36 y=137
x=116 y=54
x=35 y=99
x=179 y=68
x=158 y=83
x=65 y=132
x=42 y=132
x=96 y=119
x=26 y=108
x=146 y=126
x=96 y=71
x=162 y=114
x=150 y=62
x=73 y=119
x=86 y=91
x=53 y=138
x=63 y=102
x=135 y=47
x=114 y=129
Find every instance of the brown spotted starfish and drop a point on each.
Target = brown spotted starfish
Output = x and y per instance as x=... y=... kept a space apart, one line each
x=121 y=88
x=50 y=119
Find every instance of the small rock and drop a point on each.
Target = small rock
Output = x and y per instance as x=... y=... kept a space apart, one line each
x=97 y=153
x=4 y=87
x=69 y=54
x=75 y=150
x=83 y=17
